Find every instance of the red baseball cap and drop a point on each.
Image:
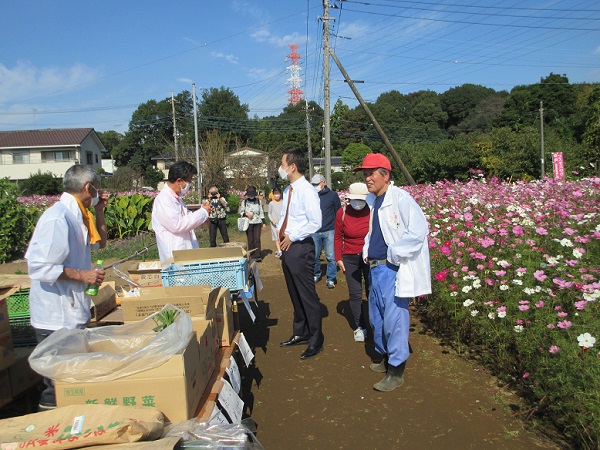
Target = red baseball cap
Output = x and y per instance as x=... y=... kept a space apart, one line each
x=375 y=161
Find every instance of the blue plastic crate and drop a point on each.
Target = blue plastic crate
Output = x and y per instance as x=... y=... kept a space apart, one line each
x=226 y=273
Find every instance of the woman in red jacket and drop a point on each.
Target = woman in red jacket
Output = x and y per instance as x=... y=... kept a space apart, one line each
x=351 y=227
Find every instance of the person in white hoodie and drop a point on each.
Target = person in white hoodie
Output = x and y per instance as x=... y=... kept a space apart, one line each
x=397 y=252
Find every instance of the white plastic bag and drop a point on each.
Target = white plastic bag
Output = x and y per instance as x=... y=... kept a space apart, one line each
x=243 y=223
x=110 y=352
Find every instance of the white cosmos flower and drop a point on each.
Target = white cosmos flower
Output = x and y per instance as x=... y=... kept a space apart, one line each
x=466 y=289
x=504 y=287
x=519 y=282
x=586 y=340
x=502 y=314
x=468 y=302
x=474 y=312
x=577 y=254
x=518 y=328
x=566 y=242
x=492 y=315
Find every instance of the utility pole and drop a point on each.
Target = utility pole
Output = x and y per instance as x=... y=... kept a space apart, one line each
x=174 y=126
x=378 y=128
x=197 y=150
x=326 y=93
x=310 y=157
x=543 y=165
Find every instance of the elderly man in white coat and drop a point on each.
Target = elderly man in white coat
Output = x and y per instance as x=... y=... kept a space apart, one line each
x=397 y=252
x=59 y=260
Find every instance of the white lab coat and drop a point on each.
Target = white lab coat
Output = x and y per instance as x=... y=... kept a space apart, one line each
x=60 y=240
x=405 y=229
x=174 y=224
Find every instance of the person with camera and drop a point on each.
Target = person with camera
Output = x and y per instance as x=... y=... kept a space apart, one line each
x=218 y=216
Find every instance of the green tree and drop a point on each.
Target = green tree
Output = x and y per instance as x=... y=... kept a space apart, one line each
x=460 y=101
x=353 y=154
x=591 y=135
x=222 y=102
x=111 y=140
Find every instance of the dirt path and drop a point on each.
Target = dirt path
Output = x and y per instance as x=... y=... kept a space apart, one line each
x=328 y=402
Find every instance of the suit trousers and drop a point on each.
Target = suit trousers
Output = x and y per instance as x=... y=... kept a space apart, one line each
x=297 y=264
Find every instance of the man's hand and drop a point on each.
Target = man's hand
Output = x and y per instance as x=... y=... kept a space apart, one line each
x=341 y=265
x=92 y=276
x=286 y=243
x=103 y=197
x=206 y=205
x=249 y=215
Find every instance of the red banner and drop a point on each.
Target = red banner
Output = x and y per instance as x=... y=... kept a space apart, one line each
x=559 y=165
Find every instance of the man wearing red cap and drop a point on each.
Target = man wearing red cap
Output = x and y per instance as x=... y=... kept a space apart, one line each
x=397 y=252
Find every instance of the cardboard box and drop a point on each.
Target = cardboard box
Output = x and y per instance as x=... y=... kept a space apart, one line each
x=7 y=352
x=206 y=330
x=146 y=273
x=22 y=376
x=5 y=391
x=224 y=318
x=196 y=301
x=174 y=387
x=104 y=302
x=206 y=254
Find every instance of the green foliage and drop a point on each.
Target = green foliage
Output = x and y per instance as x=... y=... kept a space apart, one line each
x=17 y=224
x=41 y=184
x=164 y=318
x=128 y=215
x=143 y=244
x=111 y=139
x=234 y=201
x=353 y=154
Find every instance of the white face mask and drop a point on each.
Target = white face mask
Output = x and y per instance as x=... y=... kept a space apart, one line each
x=185 y=189
x=282 y=173
x=95 y=199
x=277 y=197
x=358 y=204
x=318 y=188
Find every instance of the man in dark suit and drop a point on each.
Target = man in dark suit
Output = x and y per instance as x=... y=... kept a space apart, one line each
x=300 y=218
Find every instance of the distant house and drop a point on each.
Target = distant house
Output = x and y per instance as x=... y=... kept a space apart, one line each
x=336 y=164
x=23 y=153
x=247 y=166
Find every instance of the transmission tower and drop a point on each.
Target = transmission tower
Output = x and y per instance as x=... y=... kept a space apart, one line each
x=294 y=80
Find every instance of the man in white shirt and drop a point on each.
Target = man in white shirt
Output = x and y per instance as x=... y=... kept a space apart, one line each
x=59 y=260
x=172 y=222
x=300 y=218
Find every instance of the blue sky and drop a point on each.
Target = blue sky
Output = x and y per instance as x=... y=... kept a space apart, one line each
x=75 y=63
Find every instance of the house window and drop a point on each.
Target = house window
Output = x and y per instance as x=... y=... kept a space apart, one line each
x=59 y=156
x=20 y=157
x=96 y=159
x=89 y=158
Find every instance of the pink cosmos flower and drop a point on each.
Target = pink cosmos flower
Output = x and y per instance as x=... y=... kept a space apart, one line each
x=551 y=326
x=539 y=275
x=569 y=231
x=539 y=304
x=501 y=309
x=526 y=375
x=557 y=308
x=444 y=250
x=523 y=307
x=441 y=276
x=541 y=231
x=580 y=305
x=480 y=267
x=487 y=242
x=519 y=322
x=554 y=349
x=562 y=314
x=564 y=324
x=500 y=273
x=518 y=230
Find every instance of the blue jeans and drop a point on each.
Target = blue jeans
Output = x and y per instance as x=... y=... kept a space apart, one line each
x=325 y=238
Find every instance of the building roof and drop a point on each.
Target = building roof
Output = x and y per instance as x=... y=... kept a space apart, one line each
x=42 y=138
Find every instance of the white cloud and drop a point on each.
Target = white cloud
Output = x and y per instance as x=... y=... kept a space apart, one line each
x=248 y=9
x=264 y=35
x=354 y=30
x=26 y=82
x=184 y=80
x=229 y=58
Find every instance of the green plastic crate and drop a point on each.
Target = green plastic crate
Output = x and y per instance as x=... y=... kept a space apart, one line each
x=18 y=304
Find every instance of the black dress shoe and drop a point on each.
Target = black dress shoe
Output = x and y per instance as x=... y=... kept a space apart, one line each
x=311 y=351
x=294 y=340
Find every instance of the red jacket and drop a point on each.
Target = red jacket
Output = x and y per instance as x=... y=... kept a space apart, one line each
x=350 y=235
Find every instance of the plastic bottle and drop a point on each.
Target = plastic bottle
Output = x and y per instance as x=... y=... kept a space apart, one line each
x=92 y=289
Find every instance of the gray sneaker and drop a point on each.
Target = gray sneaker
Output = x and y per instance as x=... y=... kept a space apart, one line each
x=330 y=284
x=360 y=334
